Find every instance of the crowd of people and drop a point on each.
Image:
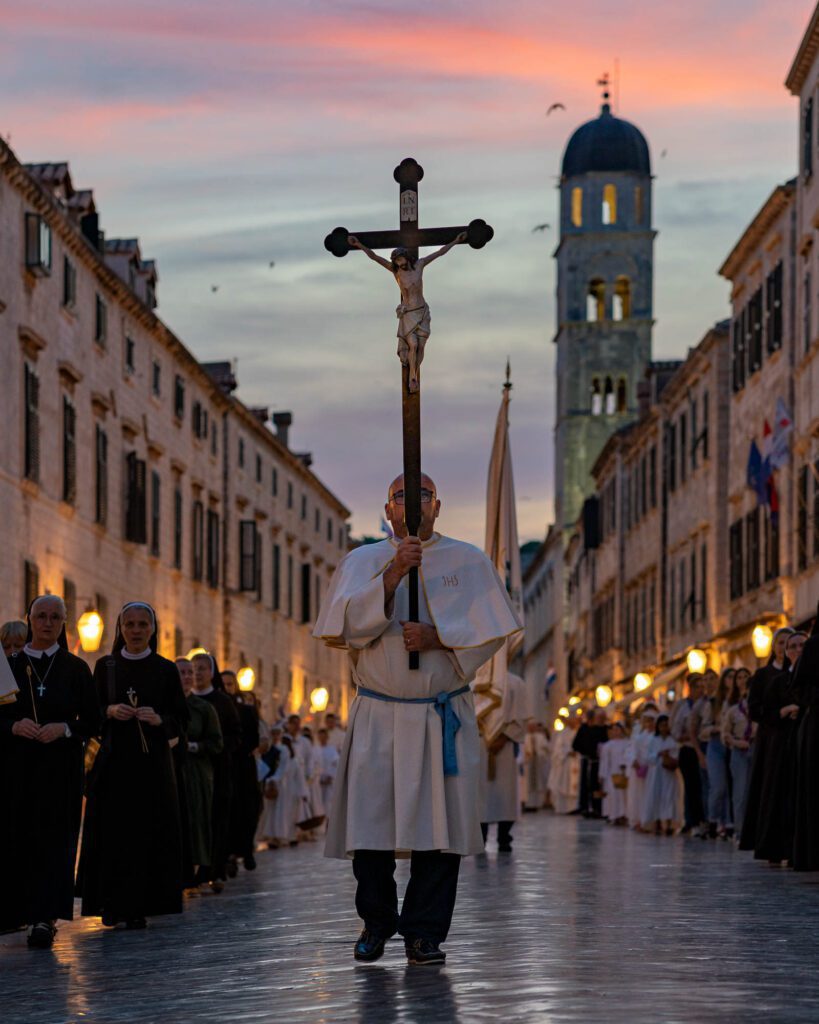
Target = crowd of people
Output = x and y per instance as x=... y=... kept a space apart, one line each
x=735 y=758
x=162 y=774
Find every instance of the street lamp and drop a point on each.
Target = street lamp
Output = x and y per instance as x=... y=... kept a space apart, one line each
x=564 y=712
x=642 y=681
x=762 y=641
x=573 y=701
x=559 y=725
x=246 y=678
x=90 y=627
x=603 y=695
x=697 y=660
x=319 y=699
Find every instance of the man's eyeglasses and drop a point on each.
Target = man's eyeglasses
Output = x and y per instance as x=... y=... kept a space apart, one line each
x=427 y=496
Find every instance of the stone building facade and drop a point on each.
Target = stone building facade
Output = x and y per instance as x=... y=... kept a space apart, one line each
x=131 y=470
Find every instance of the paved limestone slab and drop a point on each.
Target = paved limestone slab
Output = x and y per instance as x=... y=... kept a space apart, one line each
x=583 y=923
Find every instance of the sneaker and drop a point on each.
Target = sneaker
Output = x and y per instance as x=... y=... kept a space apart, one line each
x=423 y=952
x=41 y=935
x=369 y=947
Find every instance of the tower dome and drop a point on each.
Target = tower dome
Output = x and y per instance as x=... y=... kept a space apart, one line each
x=607 y=143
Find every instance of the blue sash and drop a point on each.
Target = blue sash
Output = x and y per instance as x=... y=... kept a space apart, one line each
x=450 y=723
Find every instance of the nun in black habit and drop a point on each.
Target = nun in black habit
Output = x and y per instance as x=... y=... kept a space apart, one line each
x=42 y=739
x=806 y=688
x=765 y=724
x=131 y=859
x=777 y=804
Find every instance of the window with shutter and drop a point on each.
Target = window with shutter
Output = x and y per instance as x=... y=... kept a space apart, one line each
x=290 y=586
x=177 y=529
x=38 y=245
x=69 y=283
x=802 y=519
x=31 y=583
x=101 y=477
x=135 y=499
x=277 y=559
x=69 y=452
x=101 y=322
x=305 y=592
x=178 y=397
x=248 y=555
x=156 y=504
x=704 y=582
x=32 y=425
x=198 y=539
x=70 y=600
x=213 y=549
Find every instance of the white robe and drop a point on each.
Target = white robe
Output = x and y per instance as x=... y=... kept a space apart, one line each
x=614 y=761
x=663 y=787
x=500 y=793
x=291 y=805
x=391 y=792
x=306 y=756
x=638 y=756
x=327 y=768
x=335 y=737
x=266 y=830
x=534 y=780
x=564 y=773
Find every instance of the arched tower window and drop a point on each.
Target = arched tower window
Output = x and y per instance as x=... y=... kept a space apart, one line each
x=609 y=204
x=596 y=300
x=596 y=397
x=577 y=207
x=638 y=204
x=622 y=398
x=621 y=302
x=609 y=396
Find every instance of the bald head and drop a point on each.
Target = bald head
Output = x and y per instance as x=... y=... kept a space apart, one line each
x=430 y=507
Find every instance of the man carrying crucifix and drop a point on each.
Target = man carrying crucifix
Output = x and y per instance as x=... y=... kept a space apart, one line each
x=413 y=311
x=407 y=781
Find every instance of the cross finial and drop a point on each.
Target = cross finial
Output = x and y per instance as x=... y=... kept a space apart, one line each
x=603 y=82
x=508 y=385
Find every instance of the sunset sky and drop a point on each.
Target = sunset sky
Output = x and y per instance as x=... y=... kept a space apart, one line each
x=229 y=135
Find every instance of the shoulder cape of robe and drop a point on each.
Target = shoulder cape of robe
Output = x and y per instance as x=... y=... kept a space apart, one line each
x=466 y=599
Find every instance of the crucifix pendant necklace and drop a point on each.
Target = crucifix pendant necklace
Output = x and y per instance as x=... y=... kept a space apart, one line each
x=31 y=668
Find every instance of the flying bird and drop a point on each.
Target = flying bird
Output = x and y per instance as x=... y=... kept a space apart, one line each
x=272 y=264
x=555 y=106
x=214 y=287
x=541 y=227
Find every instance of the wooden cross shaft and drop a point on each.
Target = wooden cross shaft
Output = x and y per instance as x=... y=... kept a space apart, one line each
x=411 y=237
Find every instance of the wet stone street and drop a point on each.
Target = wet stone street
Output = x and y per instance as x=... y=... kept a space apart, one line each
x=582 y=923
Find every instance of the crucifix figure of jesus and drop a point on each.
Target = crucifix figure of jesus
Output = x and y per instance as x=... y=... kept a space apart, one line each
x=413 y=320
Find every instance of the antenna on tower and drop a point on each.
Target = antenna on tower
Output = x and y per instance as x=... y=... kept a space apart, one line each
x=603 y=82
x=508 y=385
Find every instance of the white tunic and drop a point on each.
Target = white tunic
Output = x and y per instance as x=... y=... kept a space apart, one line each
x=327 y=768
x=535 y=770
x=614 y=761
x=663 y=786
x=564 y=773
x=638 y=774
x=391 y=792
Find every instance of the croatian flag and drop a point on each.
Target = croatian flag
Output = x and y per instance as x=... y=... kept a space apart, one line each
x=783 y=428
x=551 y=678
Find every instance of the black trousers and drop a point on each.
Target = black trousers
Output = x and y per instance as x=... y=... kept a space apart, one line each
x=589 y=785
x=504 y=832
x=692 y=784
x=428 y=902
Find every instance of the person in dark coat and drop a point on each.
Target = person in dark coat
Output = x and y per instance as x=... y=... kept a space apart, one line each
x=131 y=858
x=247 y=792
x=42 y=738
x=590 y=736
x=806 y=689
x=775 y=827
x=757 y=688
x=207 y=684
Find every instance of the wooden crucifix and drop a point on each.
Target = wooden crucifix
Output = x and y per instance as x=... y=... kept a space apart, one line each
x=413 y=321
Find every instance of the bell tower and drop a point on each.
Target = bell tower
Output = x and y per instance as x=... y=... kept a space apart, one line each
x=605 y=264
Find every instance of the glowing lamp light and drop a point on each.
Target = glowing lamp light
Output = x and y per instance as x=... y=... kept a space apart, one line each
x=762 y=641
x=573 y=701
x=559 y=725
x=603 y=695
x=246 y=678
x=697 y=660
x=194 y=651
x=319 y=698
x=564 y=712
x=90 y=627
x=642 y=681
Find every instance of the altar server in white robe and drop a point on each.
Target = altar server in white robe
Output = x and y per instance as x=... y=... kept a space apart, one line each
x=292 y=804
x=641 y=737
x=503 y=729
x=564 y=771
x=613 y=770
x=326 y=757
x=536 y=748
x=664 y=782
x=407 y=779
